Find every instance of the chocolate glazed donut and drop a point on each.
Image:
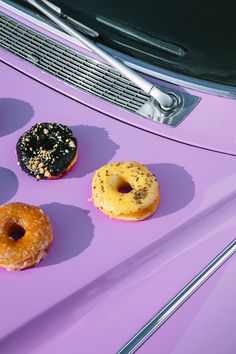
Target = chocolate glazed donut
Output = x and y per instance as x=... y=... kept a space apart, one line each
x=47 y=151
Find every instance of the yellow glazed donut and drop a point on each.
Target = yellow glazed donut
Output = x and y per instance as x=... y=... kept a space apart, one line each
x=25 y=235
x=141 y=197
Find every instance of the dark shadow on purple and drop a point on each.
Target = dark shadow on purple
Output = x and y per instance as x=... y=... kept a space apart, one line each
x=8 y=183
x=72 y=229
x=95 y=149
x=14 y=114
x=176 y=187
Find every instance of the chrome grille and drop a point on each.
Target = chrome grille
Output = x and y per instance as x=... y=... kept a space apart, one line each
x=69 y=66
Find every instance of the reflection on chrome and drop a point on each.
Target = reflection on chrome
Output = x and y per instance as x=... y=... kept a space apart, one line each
x=178 y=300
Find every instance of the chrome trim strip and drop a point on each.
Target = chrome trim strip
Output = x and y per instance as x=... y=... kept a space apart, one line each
x=173 y=77
x=178 y=300
x=187 y=81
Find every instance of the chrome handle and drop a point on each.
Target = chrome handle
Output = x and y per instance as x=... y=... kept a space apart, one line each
x=178 y=300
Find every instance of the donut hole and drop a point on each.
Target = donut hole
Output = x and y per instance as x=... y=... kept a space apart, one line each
x=124 y=187
x=16 y=232
x=48 y=144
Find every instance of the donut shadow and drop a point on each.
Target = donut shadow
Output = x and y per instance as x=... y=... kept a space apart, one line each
x=177 y=188
x=9 y=185
x=14 y=114
x=72 y=232
x=95 y=149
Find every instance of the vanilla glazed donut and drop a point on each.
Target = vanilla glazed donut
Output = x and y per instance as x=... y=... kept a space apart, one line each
x=125 y=191
x=47 y=151
x=25 y=236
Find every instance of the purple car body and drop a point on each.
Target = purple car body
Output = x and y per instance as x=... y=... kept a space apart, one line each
x=103 y=279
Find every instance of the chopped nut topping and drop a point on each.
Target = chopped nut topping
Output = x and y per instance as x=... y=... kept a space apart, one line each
x=71 y=144
x=41 y=158
x=47 y=173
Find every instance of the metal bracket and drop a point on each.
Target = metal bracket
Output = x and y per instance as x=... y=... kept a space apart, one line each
x=184 y=104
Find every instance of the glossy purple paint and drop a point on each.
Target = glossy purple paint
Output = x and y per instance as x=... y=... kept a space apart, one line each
x=206 y=324
x=103 y=279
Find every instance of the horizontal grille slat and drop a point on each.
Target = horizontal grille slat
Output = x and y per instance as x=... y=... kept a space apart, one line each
x=69 y=66
x=105 y=82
